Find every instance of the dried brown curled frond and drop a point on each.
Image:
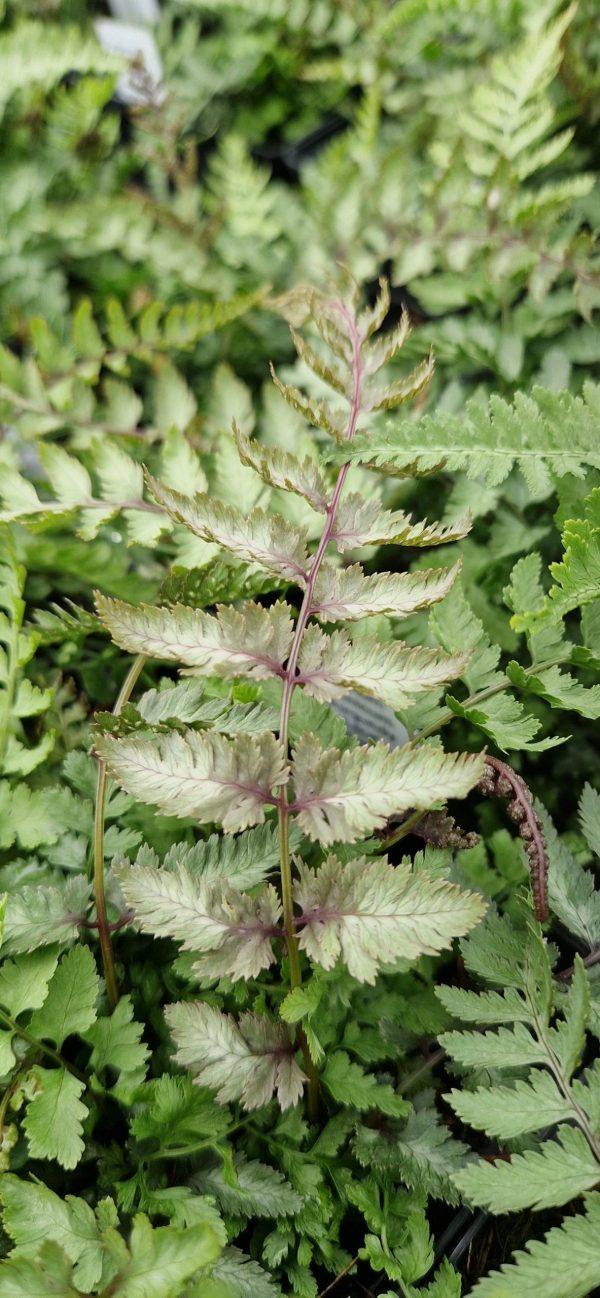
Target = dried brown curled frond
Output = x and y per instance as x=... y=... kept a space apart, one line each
x=500 y=781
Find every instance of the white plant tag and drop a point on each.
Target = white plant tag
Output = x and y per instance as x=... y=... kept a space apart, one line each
x=140 y=83
x=135 y=11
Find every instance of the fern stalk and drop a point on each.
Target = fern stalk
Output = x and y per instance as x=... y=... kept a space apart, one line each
x=41 y=1047
x=102 y=923
x=563 y=1082
x=536 y=669
x=290 y=680
x=7 y=695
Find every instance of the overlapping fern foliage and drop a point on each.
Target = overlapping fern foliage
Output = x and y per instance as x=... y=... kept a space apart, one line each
x=238 y=1056
x=256 y=899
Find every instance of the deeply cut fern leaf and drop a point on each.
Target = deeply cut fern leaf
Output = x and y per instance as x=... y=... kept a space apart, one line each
x=346 y=594
x=230 y=932
x=391 y=672
x=341 y=797
x=540 y=432
x=201 y=775
x=372 y=914
x=258 y=537
x=245 y=1061
x=251 y=641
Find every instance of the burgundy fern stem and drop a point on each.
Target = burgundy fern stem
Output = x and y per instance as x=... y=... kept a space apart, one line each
x=290 y=680
x=306 y=606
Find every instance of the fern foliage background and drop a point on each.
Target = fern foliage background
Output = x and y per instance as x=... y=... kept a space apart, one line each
x=299 y=802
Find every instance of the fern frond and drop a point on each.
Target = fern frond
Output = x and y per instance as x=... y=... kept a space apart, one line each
x=231 y=933
x=51 y=53
x=560 y=1171
x=251 y=641
x=565 y=1261
x=347 y=594
x=205 y=776
x=318 y=413
x=511 y=115
x=19 y=698
x=281 y=469
x=258 y=537
x=490 y=706
x=546 y=1041
x=543 y=433
x=577 y=578
x=370 y=914
x=506 y=1112
x=246 y=1061
x=391 y=672
x=343 y=796
x=360 y=521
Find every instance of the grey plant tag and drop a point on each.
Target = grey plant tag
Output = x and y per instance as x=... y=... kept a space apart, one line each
x=367 y=719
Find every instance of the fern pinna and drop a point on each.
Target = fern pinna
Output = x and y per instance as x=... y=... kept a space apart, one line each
x=356 y=906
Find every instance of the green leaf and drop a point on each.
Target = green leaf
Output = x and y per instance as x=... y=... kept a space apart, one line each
x=556 y=1173
x=349 y=1085
x=509 y=1111
x=558 y=688
x=116 y=1042
x=174 y=403
x=174 y=1111
x=568 y=1037
x=24 y=981
x=301 y=1002
x=69 y=480
x=577 y=578
x=445 y=1284
x=565 y=1261
x=45 y=915
x=33 y=1213
x=55 y=1117
x=589 y=817
x=162 y=1259
x=498 y=714
x=571 y=888
x=187 y=702
x=240 y=1278
x=49 y=1276
x=507 y=1048
x=487 y=441
x=216 y=582
x=70 y=1005
x=27 y=817
x=52 y=53
x=260 y=1190
x=485 y=1007
x=180 y=463
x=423 y=1154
